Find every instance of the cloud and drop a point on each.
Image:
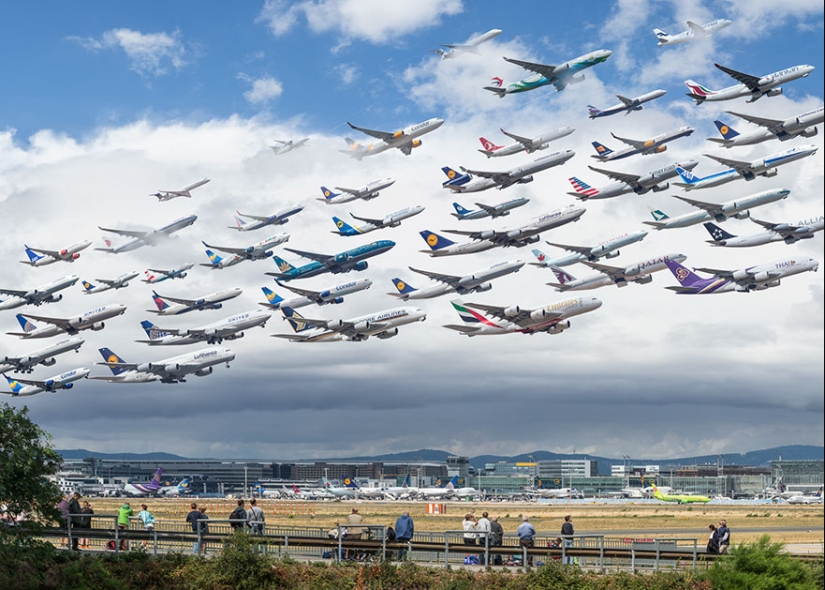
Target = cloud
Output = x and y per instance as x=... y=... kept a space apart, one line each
x=263 y=89
x=150 y=55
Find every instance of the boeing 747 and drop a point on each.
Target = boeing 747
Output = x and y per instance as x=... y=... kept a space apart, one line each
x=230 y=328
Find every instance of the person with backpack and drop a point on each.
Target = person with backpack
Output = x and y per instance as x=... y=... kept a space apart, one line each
x=238 y=516
x=255 y=517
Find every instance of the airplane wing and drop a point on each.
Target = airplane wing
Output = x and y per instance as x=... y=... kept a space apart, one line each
x=406 y=148
x=631 y=179
x=189 y=302
x=698 y=30
x=351 y=191
x=302 y=292
x=314 y=338
x=628 y=102
x=613 y=272
x=310 y=255
x=107 y=281
x=62 y=322
x=385 y=136
x=161 y=271
x=239 y=251
x=52 y=253
x=378 y=222
x=500 y=177
x=631 y=142
x=545 y=70
x=42 y=384
x=13 y=292
x=709 y=207
x=499 y=312
x=125 y=232
x=736 y=164
x=451 y=280
x=771 y=124
x=726 y=274
x=786 y=229
x=518 y=138
x=255 y=217
x=751 y=82
x=487 y=208
x=584 y=250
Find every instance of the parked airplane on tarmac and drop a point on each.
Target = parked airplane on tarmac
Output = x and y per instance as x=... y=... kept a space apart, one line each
x=146 y=488
x=157 y=275
x=439 y=491
x=371 y=224
x=476 y=282
x=559 y=76
x=693 y=33
x=171 y=370
x=465 y=183
x=230 y=328
x=655 y=145
x=181 y=488
x=354 y=259
x=211 y=301
x=470 y=46
x=43 y=356
x=350 y=489
x=36 y=295
x=522 y=144
x=366 y=192
x=382 y=325
x=116 y=283
x=621 y=276
x=258 y=221
x=739 y=208
x=404 y=139
x=404 y=491
x=628 y=183
x=627 y=105
x=803 y=125
x=492 y=211
x=24 y=387
x=606 y=249
x=790 y=233
x=288 y=145
x=308 y=297
x=679 y=498
x=89 y=320
x=184 y=192
x=42 y=257
x=753 y=86
x=145 y=238
x=744 y=280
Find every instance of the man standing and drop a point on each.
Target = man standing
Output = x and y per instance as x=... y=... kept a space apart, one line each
x=76 y=510
x=496 y=538
x=193 y=518
x=404 y=531
x=723 y=534
x=255 y=517
x=238 y=517
x=484 y=527
x=526 y=534
x=567 y=533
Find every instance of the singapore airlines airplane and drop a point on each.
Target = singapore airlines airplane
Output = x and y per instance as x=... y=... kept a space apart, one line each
x=42 y=257
x=171 y=370
x=476 y=282
x=24 y=387
x=693 y=33
x=470 y=46
x=36 y=295
x=184 y=192
x=404 y=139
x=145 y=238
x=753 y=86
x=90 y=320
x=107 y=284
x=382 y=325
x=43 y=356
x=559 y=76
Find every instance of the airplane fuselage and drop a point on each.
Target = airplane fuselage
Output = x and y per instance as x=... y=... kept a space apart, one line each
x=63 y=381
x=729 y=209
x=630 y=274
x=655 y=181
x=566 y=72
x=92 y=319
x=689 y=35
x=767 y=86
x=211 y=301
x=655 y=145
x=600 y=250
x=43 y=356
x=634 y=106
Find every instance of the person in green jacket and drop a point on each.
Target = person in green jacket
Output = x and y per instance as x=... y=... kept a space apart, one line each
x=123 y=515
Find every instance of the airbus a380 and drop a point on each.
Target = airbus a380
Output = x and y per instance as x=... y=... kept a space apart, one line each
x=655 y=181
x=171 y=370
x=719 y=212
x=116 y=283
x=145 y=238
x=24 y=387
x=803 y=125
x=258 y=221
x=790 y=233
x=36 y=295
x=42 y=257
x=382 y=325
x=333 y=295
x=626 y=106
x=230 y=328
x=366 y=192
x=89 y=320
x=744 y=280
x=753 y=86
x=694 y=32
x=621 y=276
x=522 y=144
x=559 y=76
x=184 y=192
x=654 y=145
x=372 y=224
x=42 y=356
x=607 y=249
x=469 y=46
x=465 y=183
x=476 y=282
x=404 y=139
x=212 y=301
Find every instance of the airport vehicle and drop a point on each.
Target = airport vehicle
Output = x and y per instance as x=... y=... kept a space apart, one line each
x=24 y=387
x=36 y=295
x=157 y=275
x=308 y=297
x=522 y=143
x=607 y=249
x=382 y=325
x=504 y=179
x=469 y=46
x=42 y=257
x=803 y=125
x=116 y=283
x=288 y=145
x=621 y=276
x=230 y=328
x=372 y=224
x=753 y=86
x=744 y=280
x=719 y=212
x=654 y=145
x=258 y=221
x=210 y=301
x=145 y=488
x=790 y=233
x=655 y=181
x=626 y=106
x=42 y=356
x=354 y=259
x=145 y=238
x=694 y=32
x=404 y=139
x=171 y=370
x=559 y=76
x=679 y=498
x=89 y=320
x=492 y=211
x=476 y=282
x=184 y=192
x=366 y=192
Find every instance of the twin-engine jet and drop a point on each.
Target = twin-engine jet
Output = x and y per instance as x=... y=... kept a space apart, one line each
x=145 y=238
x=492 y=211
x=621 y=276
x=354 y=259
x=655 y=181
x=790 y=233
x=654 y=145
x=470 y=46
x=718 y=212
x=230 y=328
x=288 y=145
x=211 y=301
x=24 y=387
x=158 y=275
x=42 y=356
x=36 y=295
x=607 y=249
x=753 y=86
x=522 y=143
x=752 y=278
x=694 y=32
x=106 y=284
x=803 y=125
x=42 y=257
x=382 y=325
x=171 y=370
x=372 y=224
x=89 y=320
x=259 y=221
x=559 y=76
x=465 y=183
x=306 y=297
x=476 y=282
x=257 y=251
x=366 y=192
x=626 y=106
x=404 y=139
x=184 y=192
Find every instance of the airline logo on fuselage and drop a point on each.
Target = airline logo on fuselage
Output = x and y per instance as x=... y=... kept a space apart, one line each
x=653 y=262
x=785 y=264
x=388 y=315
x=344 y=286
x=68 y=374
x=205 y=355
x=561 y=306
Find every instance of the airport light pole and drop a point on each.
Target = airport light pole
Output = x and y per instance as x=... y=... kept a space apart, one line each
x=535 y=469
x=720 y=472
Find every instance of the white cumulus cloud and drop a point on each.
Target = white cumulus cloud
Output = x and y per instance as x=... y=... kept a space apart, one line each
x=150 y=54
x=263 y=89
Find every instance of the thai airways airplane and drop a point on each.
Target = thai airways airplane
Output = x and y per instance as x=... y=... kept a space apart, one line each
x=89 y=320
x=507 y=178
x=24 y=387
x=366 y=192
x=492 y=211
x=679 y=498
x=404 y=139
x=372 y=224
x=621 y=276
x=607 y=249
x=116 y=283
x=230 y=328
x=753 y=86
x=147 y=488
x=36 y=295
x=184 y=192
x=719 y=212
x=654 y=145
x=288 y=145
x=744 y=280
x=790 y=233
x=476 y=282
x=693 y=33
x=626 y=106
x=306 y=297
x=655 y=181
x=157 y=275
x=382 y=325
x=211 y=301
x=171 y=370
x=354 y=259
x=145 y=238
x=42 y=257
x=559 y=76
x=258 y=221
x=522 y=144
x=470 y=46
x=43 y=356
x=803 y=125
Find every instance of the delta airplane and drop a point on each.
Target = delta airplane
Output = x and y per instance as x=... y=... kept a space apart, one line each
x=640 y=273
x=790 y=233
x=366 y=192
x=333 y=295
x=679 y=498
x=626 y=106
x=158 y=275
x=803 y=125
x=37 y=295
x=744 y=280
x=24 y=387
x=382 y=325
x=211 y=301
x=519 y=175
x=145 y=489
x=42 y=257
x=354 y=259
x=606 y=249
x=89 y=320
x=184 y=192
x=145 y=238
x=43 y=356
x=753 y=86
x=655 y=181
x=476 y=282
x=550 y=318
x=404 y=139
x=439 y=492
x=523 y=144
x=693 y=33
x=371 y=224
x=655 y=145
x=441 y=246
x=171 y=370
x=492 y=211
x=115 y=283
x=288 y=145
x=719 y=212
x=470 y=46
x=257 y=251
x=230 y=328
x=258 y=221
x=559 y=76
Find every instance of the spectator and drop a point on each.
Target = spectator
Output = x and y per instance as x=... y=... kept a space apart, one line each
x=147 y=519
x=354 y=519
x=255 y=517
x=75 y=509
x=86 y=522
x=484 y=526
x=567 y=533
x=404 y=531
x=496 y=538
x=723 y=533
x=526 y=536
x=193 y=519
x=713 y=540
x=469 y=525
x=124 y=513
x=204 y=527
x=238 y=517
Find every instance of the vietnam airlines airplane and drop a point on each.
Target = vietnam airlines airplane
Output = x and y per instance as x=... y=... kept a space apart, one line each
x=382 y=325
x=42 y=356
x=145 y=238
x=354 y=259
x=171 y=370
x=36 y=295
x=42 y=257
x=24 y=387
x=404 y=139
x=89 y=320
x=513 y=319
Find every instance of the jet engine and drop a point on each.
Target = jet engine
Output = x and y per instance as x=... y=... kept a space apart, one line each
x=63 y=252
x=487 y=234
x=467 y=279
x=171 y=368
x=334 y=324
x=764 y=81
x=68 y=386
x=774 y=92
x=515 y=233
x=416 y=143
x=144 y=367
x=810 y=132
x=512 y=311
x=663 y=186
x=484 y=287
x=762 y=277
x=361 y=265
x=361 y=327
x=526 y=179
x=76 y=255
x=235 y=336
x=774 y=283
x=642 y=280
x=770 y=173
x=388 y=334
x=794 y=239
x=49 y=383
x=741 y=275
x=48 y=362
x=204 y=372
x=397 y=134
x=250 y=249
x=612 y=254
x=268 y=253
x=391 y=222
x=576 y=79
x=660 y=149
x=559 y=328
x=561 y=69
x=538 y=314
x=342 y=257
x=743 y=215
x=337 y=300
x=97 y=326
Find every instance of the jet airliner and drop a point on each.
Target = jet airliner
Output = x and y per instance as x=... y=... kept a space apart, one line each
x=559 y=76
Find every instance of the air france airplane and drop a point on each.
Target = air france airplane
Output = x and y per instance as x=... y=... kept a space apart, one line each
x=753 y=86
x=607 y=249
x=230 y=328
x=382 y=325
x=258 y=221
x=333 y=295
x=369 y=191
x=744 y=280
x=171 y=370
x=522 y=143
x=802 y=125
x=694 y=32
x=24 y=387
x=719 y=212
x=184 y=192
x=42 y=356
x=404 y=139
x=476 y=282
x=559 y=76
x=116 y=283
x=42 y=257
x=655 y=181
x=37 y=295
x=621 y=276
x=514 y=319
x=790 y=233
x=626 y=106
x=211 y=301
x=372 y=224
x=145 y=238
x=89 y=320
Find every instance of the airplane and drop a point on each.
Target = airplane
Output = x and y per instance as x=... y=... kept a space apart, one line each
x=371 y=224
x=522 y=144
x=766 y=167
x=621 y=276
x=654 y=145
x=753 y=86
x=89 y=320
x=441 y=246
x=144 y=489
x=41 y=257
x=626 y=183
x=465 y=492
x=559 y=76
x=470 y=46
x=258 y=221
x=476 y=282
x=333 y=295
x=804 y=499
x=37 y=295
x=366 y=192
x=116 y=283
x=507 y=178
x=404 y=139
x=739 y=208
x=803 y=125
x=230 y=328
x=24 y=387
x=382 y=325
x=265 y=493
x=287 y=146
x=179 y=489
x=627 y=105
x=607 y=249
x=552 y=318
x=559 y=493
x=43 y=356
x=184 y=192
x=218 y=262
x=693 y=33
x=348 y=491
x=790 y=233
x=492 y=211
x=211 y=301
x=171 y=370
x=752 y=278
x=405 y=490
x=145 y=238
x=257 y=251
x=157 y=275
x=439 y=491
x=346 y=261
x=311 y=494
x=679 y=498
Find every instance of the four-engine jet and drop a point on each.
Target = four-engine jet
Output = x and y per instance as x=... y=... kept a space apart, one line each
x=354 y=259
x=504 y=179
x=145 y=238
x=308 y=297
x=753 y=86
x=559 y=76
x=230 y=328
x=655 y=145
x=492 y=211
x=23 y=387
x=470 y=46
x=89 y=320
x=803 y=125
x=259 y=221
x=628 y=183
x=157 y=275
x=476 y=282
x=211 y=301
x=790 y=233
x=719 y=212
x=366 y=192
x=42 y=356
x=522 y=144
x=37 y=295
x=382 y=325
x=606 y=249
x=184 y=192
x=627 y=106
x=752 y=278
x=694 y=32
x=288 y=145
x=621 y=276
x=404 y=139
x=107 y=284
x=371 y=224
x=171 y=370
x=42 y=257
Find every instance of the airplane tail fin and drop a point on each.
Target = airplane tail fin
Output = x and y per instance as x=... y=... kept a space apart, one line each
x=239 y=222
x=351 y=483
x=698 y=92
x=460 y=211
x=355 y=150
x=402 y=287
x=344 y=229
x=717 y=233
x=593 y=112
x=294 y=319
x=726 y=131
x=159 y=302
x=685 y=276
x=601 y=150
x=328 y=194
x=497 y=86
x=25 y=323
x=434 y=241
x=152 y=331
x=659 y=217
x=32 y=255
x=467 y=315
x=541 y=258
x=583 y=191
x=110 y=356
x=407 y=482
x=87 y=286
x=283 y=265
x=273 y=299
x=14 y=385
x=661 y=36
x=108 y=247
x=214 y=259
x=489 y=146
x=454 y=178
x=562 y=276
x=687 y=176
x=451 y=485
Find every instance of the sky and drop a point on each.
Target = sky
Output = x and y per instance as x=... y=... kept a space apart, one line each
x=106 y=103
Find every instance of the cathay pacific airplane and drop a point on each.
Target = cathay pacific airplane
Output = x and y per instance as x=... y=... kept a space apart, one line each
x=145 y=238
x=171 y=370
x=24 y=387
x=753 y=86
x=694 y=32
x=559 y=76
x=515 y=319
x=719 y=212
x=354 y=259
x=382 y=325
x=36 y=295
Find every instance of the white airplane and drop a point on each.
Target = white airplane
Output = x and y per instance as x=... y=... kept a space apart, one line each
x=179 y=489
x=439 y=491
x=607 y=249
x=211 y=301
x=804 y=499
x=719 y=212
x=654 y=145
x=626 y=106
x=523 y=144
x=465 y=183
x=655 y=181
x=366 y=192
x=790 y=233
x=258 y=251
x=803 y=125
x=513 y=319
x=383 y=325
x=492 y=211
x=559 y=76
x=116 y=283
x=350 y=490
x=693 y=33
x=145 y=238
x=184 y=192
x=753 y=86
x=404 y=139
x=41 y=257
x=230 y=328
x=158 y=275
x=171 y=370
x=476 y=282
x=144 y=489
x=641 y=273
x=743 y=280
x=288 y=145
x=43 y=356
x=371 y=224
x=259 y=221
x=306 y=297
x=23 y=387
x=89 y=320
x=37 y=295
x=470 y=46
x=405 y=490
